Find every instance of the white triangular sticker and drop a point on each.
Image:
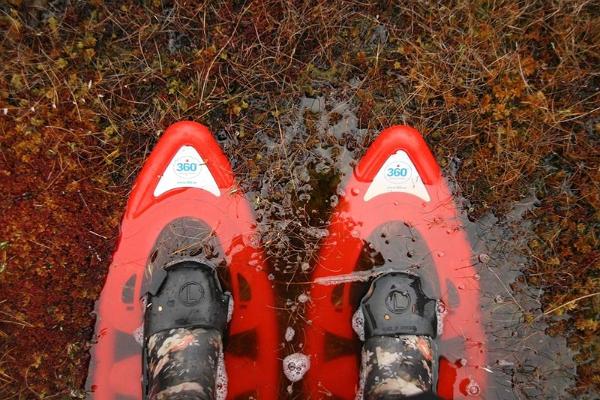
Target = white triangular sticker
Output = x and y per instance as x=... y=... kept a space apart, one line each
x=398 y=174
x=187 y=169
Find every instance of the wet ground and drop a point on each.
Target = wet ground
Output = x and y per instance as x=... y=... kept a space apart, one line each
x=505 y=94
x=293 y=206
x=524 y=362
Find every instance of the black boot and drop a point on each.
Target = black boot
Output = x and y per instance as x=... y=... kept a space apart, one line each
x=185 y=319
x=398 y=355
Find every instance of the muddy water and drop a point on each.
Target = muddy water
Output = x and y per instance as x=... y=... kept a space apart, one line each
x=293 y=177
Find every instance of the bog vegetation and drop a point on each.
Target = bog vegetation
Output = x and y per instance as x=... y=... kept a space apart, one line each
x=509 y=90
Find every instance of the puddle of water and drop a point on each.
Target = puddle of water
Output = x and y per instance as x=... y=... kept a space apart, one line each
x=523 y=360
x=293 y=200
x=300 y=173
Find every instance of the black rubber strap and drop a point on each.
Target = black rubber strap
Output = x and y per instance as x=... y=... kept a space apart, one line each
x=189 y=296
x=396 y=305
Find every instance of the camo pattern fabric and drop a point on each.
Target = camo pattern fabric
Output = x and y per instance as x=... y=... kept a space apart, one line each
x=398 y=366
x=183 y=364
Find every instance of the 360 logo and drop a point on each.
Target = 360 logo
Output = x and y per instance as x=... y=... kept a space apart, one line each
x=187 y=167
x=397 y=172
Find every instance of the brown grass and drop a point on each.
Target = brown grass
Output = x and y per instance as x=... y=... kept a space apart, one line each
x=510 y=88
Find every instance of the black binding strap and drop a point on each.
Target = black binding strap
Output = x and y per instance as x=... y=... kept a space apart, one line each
x=396 y=305
x=189 y=296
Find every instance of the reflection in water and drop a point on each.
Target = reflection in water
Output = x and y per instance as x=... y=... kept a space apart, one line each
x=524 y=361
x=299 y=181
x=294 y=197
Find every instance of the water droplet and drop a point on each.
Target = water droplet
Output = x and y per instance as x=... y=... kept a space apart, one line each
x=473 y=388
x=461 y=362
x=355 y=233
x=395 y=203
x=303 y=298
x=271 y=277
x=477 y=277
x=484 y=258
x=355 y=191
x=440 y=254
x=461 y=286
x=441 y=307
x=334 y=200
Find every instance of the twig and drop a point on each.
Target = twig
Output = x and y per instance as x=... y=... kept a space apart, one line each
x=569 y=302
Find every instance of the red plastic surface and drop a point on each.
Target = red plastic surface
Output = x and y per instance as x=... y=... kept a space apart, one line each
x=438 y=223
x=230 y=216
